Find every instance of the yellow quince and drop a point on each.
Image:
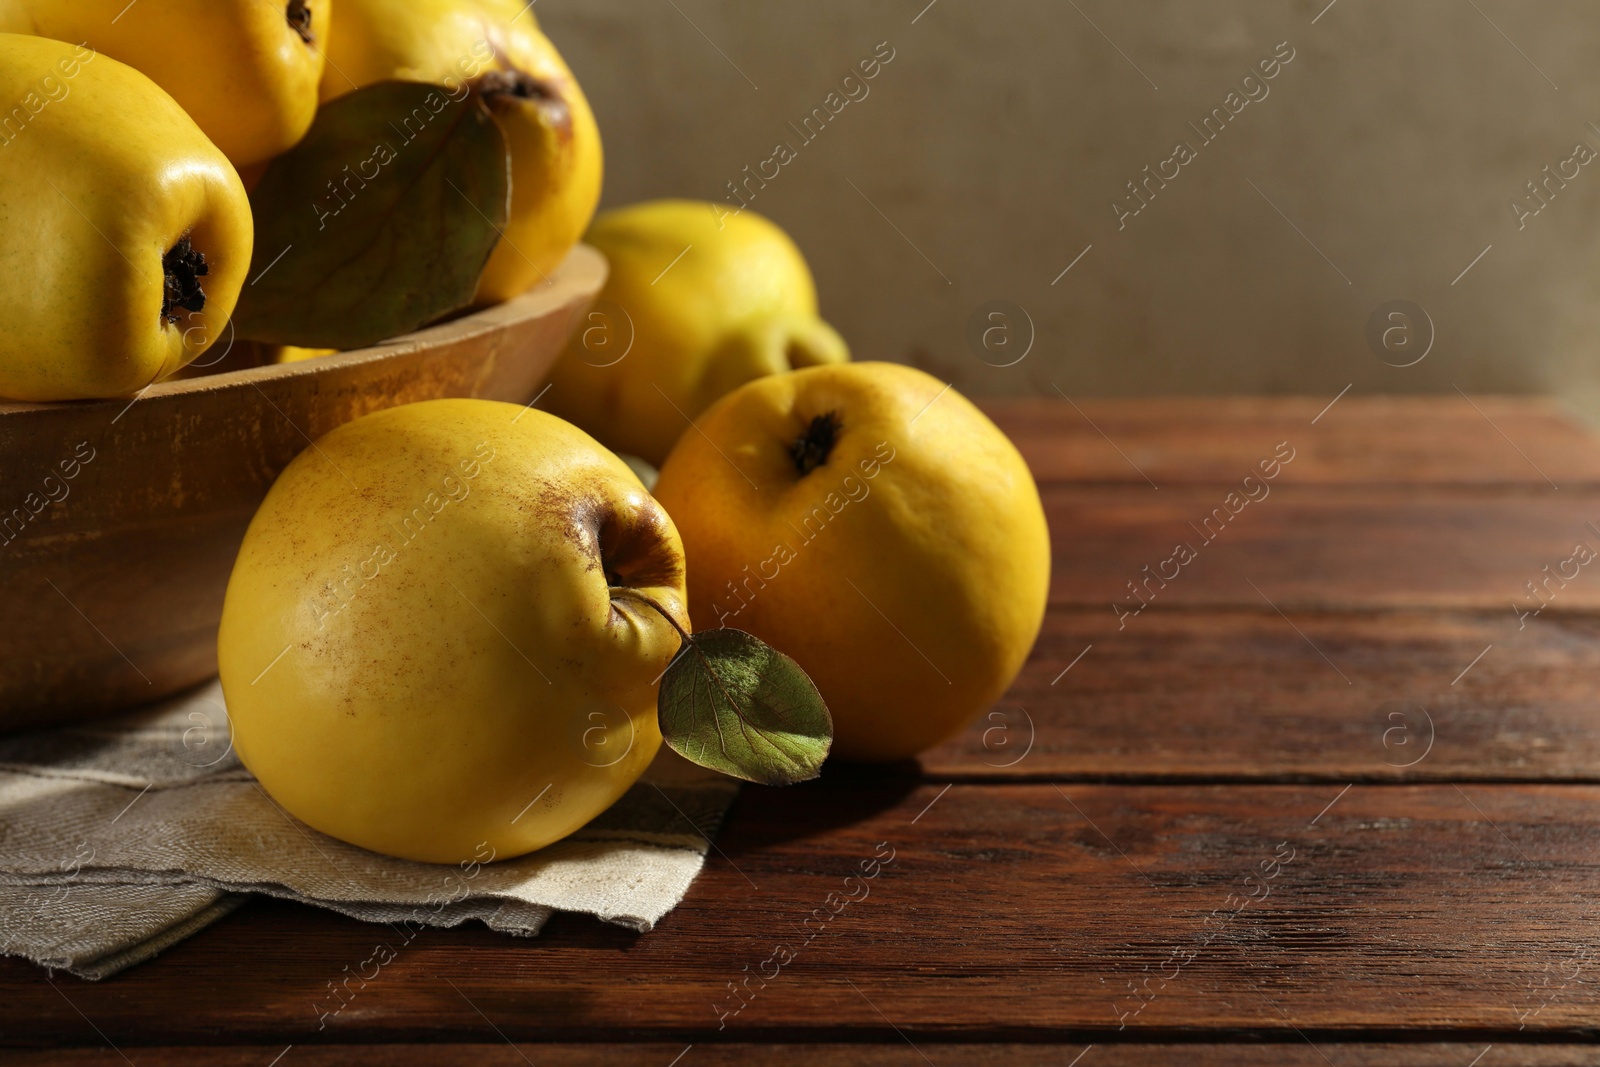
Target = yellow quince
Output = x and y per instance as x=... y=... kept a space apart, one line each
x=551 y=133
x=459 y=653
x=245 y=70
x=125 y=234
x=872 y=523
x=699 y=301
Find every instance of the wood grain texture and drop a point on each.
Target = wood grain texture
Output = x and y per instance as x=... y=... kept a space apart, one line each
x=1026 y=912
x=114 y=576
x=1244 y=694
x=1312 y=548
x=1371 y=440
x=1300 y=1053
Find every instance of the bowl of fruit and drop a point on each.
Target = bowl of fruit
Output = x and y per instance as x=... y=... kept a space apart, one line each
x=227 y=233
x=280 y=306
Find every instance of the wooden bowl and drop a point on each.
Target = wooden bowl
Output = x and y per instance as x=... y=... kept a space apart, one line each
x=120 y=520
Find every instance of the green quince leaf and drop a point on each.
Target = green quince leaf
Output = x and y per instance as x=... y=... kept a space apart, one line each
x=379 y=221
x=733 y=703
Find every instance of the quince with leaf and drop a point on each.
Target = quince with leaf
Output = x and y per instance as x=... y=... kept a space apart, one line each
x=494 y=46
x=871 y=522
x=462 y=621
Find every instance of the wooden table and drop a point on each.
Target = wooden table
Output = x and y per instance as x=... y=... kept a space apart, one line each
x=1329 y=798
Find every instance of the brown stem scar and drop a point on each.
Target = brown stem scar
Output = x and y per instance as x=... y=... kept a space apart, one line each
x=517 y=85
x=182 y=268
x=298 y=14
x=811 y=449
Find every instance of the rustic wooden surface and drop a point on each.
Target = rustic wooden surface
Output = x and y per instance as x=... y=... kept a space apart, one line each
x=1328 y=799
x=1301 y=1053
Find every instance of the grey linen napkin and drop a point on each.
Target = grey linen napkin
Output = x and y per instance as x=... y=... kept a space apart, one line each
x=121 y=837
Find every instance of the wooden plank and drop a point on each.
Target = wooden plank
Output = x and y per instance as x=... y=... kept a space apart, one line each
x=1007 y=913
x=1248 y=695
x=1361 y=439
x=1301 y=1053
x=1310 y=548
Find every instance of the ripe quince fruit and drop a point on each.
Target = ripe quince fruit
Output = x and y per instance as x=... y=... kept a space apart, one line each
x=125 y=234
x=495 y=45
x=699 y=301
x=874 y=525
x=245 y=70
x=434 y=637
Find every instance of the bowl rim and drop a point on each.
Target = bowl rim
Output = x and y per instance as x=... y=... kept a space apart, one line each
x=581 y=274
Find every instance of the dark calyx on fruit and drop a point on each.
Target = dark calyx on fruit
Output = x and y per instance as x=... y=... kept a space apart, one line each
x=183 y=268
x=299 y=15
x=515 y=85
x=811 y=449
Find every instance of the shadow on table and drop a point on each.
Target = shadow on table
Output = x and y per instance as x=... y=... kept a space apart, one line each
x=846 y=793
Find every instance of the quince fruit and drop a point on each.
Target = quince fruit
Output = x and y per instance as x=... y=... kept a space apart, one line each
x=874 y=525
x=125 y=234
x=699 y=301
x=245 y=70
x=436 y=633
x=550 y=131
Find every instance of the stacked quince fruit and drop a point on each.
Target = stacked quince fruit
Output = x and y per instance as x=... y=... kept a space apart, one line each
x=462 y=622
x=489 y=640
x=131 y=132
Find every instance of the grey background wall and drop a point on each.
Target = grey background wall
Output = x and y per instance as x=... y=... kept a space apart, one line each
x=986 y=156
